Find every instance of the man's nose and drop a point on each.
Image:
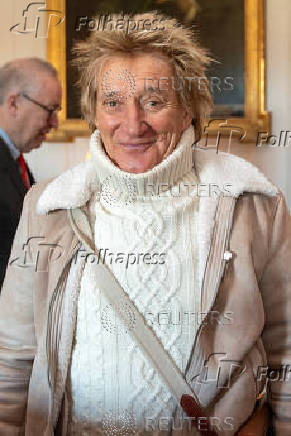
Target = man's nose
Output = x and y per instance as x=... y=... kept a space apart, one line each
x=54 y=121
x=134 y=120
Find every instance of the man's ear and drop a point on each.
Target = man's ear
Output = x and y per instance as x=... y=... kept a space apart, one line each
x=12 y=104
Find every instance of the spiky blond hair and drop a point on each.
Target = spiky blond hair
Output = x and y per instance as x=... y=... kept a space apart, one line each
x=171 y=39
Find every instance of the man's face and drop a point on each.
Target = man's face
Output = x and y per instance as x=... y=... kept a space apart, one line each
x=32 y=122
x=140 y=120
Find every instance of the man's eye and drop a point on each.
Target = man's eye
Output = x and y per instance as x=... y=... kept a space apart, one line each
x=111 y=103
x=152 y=104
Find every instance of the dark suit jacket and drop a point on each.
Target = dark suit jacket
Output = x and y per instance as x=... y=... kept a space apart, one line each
x=12 y=192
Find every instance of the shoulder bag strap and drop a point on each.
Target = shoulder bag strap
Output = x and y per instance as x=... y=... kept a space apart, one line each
x=141 y=332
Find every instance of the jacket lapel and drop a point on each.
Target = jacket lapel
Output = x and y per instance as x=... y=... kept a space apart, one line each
x=30 y=176
x=61 y=314
x=214 y=267
x=68 y=240
x=8 y=163
x=213 y=264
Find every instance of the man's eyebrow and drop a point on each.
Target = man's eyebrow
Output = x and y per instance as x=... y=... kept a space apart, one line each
x=150 y=89
x=110 y=93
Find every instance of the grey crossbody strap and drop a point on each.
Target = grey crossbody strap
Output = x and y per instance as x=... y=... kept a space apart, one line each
x=140 y=330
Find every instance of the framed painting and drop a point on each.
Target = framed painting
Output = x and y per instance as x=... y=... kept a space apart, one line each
x=232 y=30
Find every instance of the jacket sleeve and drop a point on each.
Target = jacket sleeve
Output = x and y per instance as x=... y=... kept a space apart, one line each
x=17 y=335
x=276 y=292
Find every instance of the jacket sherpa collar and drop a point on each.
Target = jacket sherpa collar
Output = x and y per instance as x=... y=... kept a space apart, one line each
x=75 y=187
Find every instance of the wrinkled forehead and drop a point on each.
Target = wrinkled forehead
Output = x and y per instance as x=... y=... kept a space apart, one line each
x=132 y=74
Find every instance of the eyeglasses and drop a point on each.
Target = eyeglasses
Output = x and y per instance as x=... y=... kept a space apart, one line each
x=49 y=109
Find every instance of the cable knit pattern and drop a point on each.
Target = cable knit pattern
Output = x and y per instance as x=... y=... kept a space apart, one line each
x=113 y=387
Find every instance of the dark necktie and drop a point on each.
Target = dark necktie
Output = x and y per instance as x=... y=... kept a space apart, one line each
x=23 y=171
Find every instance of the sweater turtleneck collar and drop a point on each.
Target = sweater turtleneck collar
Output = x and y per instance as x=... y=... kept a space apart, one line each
x=124 y=185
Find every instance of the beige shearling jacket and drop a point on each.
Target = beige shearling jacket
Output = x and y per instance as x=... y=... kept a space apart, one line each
x=245 y=257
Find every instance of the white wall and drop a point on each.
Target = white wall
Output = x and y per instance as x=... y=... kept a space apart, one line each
x=279 y=86
x=14 y=45
x=52 y=159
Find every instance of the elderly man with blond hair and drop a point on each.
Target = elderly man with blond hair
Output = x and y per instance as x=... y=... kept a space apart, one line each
x=106 y=348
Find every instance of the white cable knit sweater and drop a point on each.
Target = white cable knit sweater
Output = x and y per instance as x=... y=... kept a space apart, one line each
x=113 y=387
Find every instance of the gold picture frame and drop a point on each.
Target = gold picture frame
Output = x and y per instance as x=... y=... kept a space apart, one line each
x=256 y=118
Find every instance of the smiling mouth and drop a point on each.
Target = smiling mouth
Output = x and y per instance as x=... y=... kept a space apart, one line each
x=137 y=145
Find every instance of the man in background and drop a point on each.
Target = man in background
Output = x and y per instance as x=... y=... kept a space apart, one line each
x=30 y=96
